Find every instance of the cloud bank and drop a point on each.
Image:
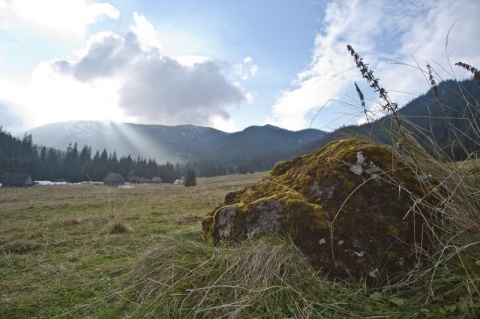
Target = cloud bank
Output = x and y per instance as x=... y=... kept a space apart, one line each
x=382 y=33
x=128 y=77
x=155 y=88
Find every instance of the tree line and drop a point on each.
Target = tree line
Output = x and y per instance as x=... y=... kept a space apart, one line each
x=74 y=164
x=82 y=164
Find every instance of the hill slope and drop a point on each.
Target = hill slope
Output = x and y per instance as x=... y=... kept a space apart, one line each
x=439 y=121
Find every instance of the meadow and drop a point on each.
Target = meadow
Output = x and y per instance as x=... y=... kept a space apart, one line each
x=94 y=251
x=65 y=250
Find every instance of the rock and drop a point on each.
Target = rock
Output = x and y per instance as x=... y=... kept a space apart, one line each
x=348 y=207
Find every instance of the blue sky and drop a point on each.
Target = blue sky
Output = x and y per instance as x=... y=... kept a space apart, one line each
x=224 y=64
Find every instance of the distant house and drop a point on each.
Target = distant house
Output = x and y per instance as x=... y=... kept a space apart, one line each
x=156 y=180
x=179 y=181
x=134 y=179
x=114 y=179
x=16 y=180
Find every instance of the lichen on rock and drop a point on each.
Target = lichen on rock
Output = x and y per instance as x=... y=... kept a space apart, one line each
x=347 y=206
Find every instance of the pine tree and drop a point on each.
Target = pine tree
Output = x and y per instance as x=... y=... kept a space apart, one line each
x=191 y=179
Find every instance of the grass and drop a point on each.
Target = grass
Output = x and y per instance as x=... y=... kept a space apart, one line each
x=101 y=252
x=63 y=247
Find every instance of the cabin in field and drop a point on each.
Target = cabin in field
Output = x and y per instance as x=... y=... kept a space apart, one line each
x=156 y=180
x=114 y=179
x=16 y=180
x=179 y=181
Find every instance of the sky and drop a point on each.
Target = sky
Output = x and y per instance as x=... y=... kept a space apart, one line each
x=223 y=64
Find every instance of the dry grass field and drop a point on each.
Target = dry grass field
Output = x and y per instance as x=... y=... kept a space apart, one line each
x=94 y=251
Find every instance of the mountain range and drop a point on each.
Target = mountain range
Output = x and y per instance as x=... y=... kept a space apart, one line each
x=181 y=143
x=440 y=115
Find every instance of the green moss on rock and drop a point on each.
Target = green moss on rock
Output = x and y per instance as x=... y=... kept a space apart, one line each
x=346 y=206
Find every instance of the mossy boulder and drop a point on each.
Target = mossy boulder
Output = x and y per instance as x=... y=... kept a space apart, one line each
x=347 y=206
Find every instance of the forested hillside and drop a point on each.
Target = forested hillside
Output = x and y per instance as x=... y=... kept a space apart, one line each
x=447 y=114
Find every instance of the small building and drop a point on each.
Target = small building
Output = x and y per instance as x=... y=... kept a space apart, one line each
x=179 y=181
x=156 y=180
x=114 y=179
x=134 y=179
x=16 y=180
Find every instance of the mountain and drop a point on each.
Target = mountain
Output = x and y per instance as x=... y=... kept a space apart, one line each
x=173 y=143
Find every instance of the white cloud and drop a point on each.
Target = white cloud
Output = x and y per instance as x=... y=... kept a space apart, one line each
x=105 y=54
x=191 y=60
x=426 y=39
x=97 y=11
x=222 y=124
x=147 y=36
x=126 y=77
x=246 y=70
x=254 y=70
x=381 y=33
x=165 y=91
x=58 y=19
x=247 y=60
